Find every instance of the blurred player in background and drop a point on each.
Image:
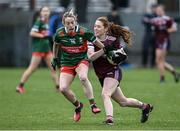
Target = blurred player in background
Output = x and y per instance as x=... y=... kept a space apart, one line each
x=164 y=25
x=71 y=40
x=110 y=75
x=40 y=47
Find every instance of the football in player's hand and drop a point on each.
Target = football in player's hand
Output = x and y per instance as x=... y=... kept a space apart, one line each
x=116 y=57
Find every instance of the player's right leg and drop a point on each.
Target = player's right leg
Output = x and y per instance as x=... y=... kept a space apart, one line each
x=160 y=61
x=65 y=81
x=35 y=60
x=109 y=86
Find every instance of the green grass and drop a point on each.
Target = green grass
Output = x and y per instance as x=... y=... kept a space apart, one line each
x=42 y=108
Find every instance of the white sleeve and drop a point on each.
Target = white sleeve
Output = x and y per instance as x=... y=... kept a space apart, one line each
x=174 y=25
x=90 y=45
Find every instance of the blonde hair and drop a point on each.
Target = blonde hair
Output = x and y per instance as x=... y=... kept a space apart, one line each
x=69 y=14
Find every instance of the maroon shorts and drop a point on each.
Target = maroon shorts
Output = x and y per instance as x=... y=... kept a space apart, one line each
x=115 y=73
x=164 y=45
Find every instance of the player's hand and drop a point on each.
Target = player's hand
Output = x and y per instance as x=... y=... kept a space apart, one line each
x=116 y=56
x=108 y=48
x=54 y=63
x=46 y=37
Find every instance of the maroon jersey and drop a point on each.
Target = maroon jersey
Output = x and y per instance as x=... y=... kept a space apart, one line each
x=101 y=65
x=161 y=25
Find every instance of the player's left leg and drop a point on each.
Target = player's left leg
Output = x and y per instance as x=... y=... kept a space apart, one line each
x=123 y=101
x=171 y=69
x=48 y=59
x=35 y=60
x=82 y=71
x=65 y=81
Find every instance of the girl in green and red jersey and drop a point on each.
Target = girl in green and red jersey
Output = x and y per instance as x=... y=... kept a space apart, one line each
x=40 y=47
x=71 y=40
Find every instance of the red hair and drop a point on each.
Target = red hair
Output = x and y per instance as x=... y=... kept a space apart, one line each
x=116 y=30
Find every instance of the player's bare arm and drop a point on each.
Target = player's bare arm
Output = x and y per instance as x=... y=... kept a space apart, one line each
x=98 y=43
x=36 y=34
x=94 y=55
x=55 y=50
x=172 y=29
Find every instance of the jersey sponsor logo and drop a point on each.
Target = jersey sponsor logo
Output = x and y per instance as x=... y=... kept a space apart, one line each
x=73 y=41
x=80 y=40
x=75 y=49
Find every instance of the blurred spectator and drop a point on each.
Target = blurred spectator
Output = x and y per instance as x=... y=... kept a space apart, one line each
x=64 y=3
x=119 y=3
x=55 y=22
x=80 y=8
x=115 y=17
x=148 y=44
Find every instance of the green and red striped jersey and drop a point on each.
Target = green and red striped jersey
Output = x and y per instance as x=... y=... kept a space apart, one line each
x=73 y=46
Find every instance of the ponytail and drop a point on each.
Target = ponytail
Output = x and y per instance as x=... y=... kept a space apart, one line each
x=119 y=31
x=116 y=30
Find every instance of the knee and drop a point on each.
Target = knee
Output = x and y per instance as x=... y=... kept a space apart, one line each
x=158 y=60
x=123 y=102
x=105 y=95
x=83 y=78
x=63 y=89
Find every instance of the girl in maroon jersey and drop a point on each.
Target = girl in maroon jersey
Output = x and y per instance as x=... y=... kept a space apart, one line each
x=164 y=25
x=110 y=75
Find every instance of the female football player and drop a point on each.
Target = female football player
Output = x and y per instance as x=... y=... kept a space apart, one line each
x=110 y=75
x=164 y=25
x=71 y=40
x=40 y=47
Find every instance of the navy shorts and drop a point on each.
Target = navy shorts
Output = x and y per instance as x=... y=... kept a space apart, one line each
x=116 y=73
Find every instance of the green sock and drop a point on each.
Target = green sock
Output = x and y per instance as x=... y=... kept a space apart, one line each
x=76 y=103
x=92 y=101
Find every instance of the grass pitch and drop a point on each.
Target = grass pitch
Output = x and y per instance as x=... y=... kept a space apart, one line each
x=42 y=108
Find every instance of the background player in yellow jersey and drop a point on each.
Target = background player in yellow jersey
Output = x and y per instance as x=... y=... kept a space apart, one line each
x=40 y=47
